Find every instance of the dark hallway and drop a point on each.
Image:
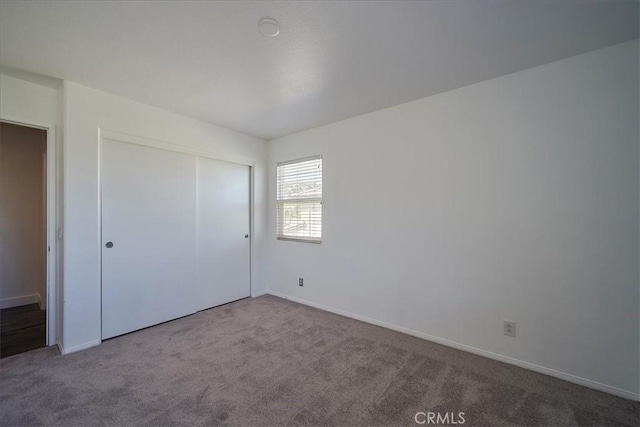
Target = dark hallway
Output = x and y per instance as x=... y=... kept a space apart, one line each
x=23 y=289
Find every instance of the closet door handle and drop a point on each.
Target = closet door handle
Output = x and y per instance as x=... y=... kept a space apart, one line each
x=109 y=245
x=246 y=236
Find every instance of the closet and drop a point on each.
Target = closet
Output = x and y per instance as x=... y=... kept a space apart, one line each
x=175 y=234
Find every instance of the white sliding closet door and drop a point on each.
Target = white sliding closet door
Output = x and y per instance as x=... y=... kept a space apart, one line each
x=149 y=212
x=223 y=232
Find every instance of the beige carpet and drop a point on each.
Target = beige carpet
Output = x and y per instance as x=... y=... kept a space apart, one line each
x=271 y=362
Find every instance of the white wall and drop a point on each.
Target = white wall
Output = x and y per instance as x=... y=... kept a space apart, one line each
x=23 y=99
x=87 y=110
x=23 y=215
x=515 y=198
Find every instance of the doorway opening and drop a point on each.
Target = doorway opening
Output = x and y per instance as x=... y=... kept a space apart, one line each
x=25 y=220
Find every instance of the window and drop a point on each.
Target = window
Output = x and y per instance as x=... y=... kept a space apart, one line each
x=299 y=196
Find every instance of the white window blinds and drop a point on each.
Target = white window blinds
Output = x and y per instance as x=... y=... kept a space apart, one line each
x=299 y=196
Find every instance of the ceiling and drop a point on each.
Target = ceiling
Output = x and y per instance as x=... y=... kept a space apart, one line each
x=331 y=61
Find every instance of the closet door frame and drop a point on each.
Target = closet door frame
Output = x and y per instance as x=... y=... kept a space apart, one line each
x=163 y=145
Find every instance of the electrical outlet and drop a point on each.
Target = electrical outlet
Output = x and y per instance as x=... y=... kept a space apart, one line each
x=300 y=282
x=509 y=328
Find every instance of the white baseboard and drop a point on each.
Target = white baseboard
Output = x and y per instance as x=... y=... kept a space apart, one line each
x=258 y=294
x=64 y=351
x=18 y=301
x=520 y=363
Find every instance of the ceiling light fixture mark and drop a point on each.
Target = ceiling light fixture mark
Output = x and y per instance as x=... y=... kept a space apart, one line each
x=269 y=27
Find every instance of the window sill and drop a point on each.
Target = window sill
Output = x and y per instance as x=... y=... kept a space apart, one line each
x=293 y=239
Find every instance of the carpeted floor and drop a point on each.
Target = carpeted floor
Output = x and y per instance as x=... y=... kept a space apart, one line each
x=271 y=362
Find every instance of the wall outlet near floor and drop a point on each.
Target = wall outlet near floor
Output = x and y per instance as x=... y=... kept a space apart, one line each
x=509 y=328
x=300 y=282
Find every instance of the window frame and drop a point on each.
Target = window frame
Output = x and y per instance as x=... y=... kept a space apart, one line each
x=282 y=201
